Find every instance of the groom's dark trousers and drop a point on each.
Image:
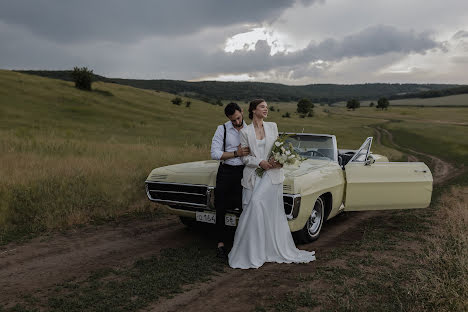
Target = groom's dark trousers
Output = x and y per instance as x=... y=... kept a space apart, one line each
x=228 y=195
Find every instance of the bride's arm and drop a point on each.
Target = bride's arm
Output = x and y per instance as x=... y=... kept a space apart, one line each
x=249 y=160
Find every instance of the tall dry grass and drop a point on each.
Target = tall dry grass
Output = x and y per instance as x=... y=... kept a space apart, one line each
x=50 y=182
x=443 y=278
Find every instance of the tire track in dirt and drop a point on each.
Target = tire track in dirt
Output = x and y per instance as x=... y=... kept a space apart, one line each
x=443 y=170
x=240 y=290
x=45 y=261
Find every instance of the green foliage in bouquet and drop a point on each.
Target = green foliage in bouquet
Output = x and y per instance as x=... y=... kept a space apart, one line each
x=283 y=153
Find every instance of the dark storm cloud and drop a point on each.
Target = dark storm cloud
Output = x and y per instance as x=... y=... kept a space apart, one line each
x=372 y=41
x=124 y=20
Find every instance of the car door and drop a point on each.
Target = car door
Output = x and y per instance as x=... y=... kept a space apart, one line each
x=374 y=185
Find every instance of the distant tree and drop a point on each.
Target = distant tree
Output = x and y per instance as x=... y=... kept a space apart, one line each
x=278 y=110
x=286 y=115
x=187 y=103
x=353 y=104
x=383 y=103
x=371 y=104
x=177 y=100
x=311 y=114
x=304 y=106
x=83 y=77
x=218 y=102
x=272 y=108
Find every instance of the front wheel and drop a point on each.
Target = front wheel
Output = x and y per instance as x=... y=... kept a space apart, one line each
x=311 y=230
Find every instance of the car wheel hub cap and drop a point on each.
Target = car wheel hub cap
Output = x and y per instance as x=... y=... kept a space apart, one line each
x=315 y=218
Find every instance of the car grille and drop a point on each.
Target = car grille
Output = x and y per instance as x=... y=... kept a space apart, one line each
x=287 y=188
x=178 y=194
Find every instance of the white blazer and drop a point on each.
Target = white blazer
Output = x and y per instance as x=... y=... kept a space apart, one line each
x=252 y=161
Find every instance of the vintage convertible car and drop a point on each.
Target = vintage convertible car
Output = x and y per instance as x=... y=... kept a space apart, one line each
x=328 y=182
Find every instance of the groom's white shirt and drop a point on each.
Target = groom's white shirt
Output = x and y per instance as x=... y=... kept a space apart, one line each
x=248 y=139
x=232 y=142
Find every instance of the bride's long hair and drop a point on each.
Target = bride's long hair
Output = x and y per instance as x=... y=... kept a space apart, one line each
x=253 y=105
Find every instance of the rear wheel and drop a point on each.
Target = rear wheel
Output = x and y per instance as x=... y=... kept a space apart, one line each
x=311 y=230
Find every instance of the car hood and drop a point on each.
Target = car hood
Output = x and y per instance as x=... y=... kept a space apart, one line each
x=305 y=167
x=204 y=172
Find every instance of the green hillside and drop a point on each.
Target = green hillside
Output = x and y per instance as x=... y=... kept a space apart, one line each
x=246 y=91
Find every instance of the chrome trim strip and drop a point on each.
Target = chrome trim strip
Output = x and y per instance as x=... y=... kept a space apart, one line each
x=174 y=192
x=176 y=202
x=173 y=183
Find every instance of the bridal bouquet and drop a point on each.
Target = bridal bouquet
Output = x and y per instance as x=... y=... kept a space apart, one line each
x=282 y=153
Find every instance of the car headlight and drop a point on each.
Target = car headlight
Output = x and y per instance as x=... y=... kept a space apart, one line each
x=292 y=204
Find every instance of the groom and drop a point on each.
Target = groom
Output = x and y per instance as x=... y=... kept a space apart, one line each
x=225 y=146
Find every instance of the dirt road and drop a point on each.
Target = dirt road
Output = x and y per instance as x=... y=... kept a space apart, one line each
x=37 y=265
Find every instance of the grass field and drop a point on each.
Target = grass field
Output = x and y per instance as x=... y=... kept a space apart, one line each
x=70 y=157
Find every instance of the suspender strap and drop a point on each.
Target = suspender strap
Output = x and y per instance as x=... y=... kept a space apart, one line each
x=224 y=141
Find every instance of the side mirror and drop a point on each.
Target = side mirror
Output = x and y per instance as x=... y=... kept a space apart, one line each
x=369 y=161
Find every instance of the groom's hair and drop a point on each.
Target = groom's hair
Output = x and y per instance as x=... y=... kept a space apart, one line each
x=231 y=108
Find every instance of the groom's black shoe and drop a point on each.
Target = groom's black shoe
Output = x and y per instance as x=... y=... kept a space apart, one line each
x=221 y=253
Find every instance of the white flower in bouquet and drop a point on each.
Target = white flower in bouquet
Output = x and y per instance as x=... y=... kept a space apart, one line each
x=283 y=154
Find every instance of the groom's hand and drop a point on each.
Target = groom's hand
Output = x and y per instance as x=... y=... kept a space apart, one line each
x=265 y=165
x=242 y=151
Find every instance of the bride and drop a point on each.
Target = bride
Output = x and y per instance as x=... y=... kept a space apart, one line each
x=263 y=233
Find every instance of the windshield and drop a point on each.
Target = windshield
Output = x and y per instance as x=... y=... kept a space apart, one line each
x=313 y=146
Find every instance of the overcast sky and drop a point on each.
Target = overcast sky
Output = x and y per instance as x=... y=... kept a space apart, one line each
x=285 y=41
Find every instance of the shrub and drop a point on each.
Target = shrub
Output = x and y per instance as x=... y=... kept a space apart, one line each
x=176 y=101
x=83 y=77
x=188 y=103
x=353 y=104
x=286 y=115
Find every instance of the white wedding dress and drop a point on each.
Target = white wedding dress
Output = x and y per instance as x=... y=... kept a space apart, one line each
x=263 y=233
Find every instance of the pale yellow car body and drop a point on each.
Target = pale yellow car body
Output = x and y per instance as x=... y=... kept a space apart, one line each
x=374 y=185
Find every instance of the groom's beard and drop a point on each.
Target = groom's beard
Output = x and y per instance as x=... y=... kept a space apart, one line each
x=238 y=126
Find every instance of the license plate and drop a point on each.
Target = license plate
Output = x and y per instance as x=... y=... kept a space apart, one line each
x=210 y=217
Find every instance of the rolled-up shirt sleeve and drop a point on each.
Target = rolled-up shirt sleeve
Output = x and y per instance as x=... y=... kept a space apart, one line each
x=217 y=144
